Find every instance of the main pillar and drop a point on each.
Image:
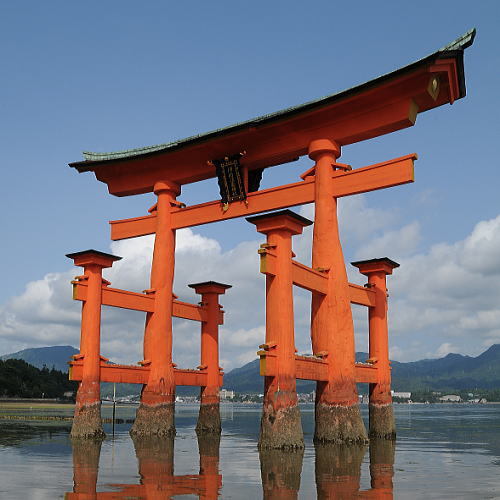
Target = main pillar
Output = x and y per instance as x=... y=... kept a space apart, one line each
x=337 y=415
x=155 y=415
x=209 y=416
x=87 y=421
x=382 y=423
x=280 y=424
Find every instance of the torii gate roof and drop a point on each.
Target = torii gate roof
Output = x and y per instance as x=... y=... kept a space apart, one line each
x=377 y=107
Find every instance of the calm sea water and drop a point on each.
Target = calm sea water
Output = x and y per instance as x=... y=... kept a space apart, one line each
x=442 y=451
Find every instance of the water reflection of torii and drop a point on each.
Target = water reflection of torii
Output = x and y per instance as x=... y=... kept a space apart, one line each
x=156 y=469
x=337 y=471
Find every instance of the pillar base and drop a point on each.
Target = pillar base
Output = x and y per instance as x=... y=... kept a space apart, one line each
x=382 y=424
x=339 y=424
x=281 y=428
x=157 y=420
x=209 y=419
x=87 y=422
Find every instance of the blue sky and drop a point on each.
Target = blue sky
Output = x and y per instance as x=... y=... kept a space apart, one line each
x=106 y=76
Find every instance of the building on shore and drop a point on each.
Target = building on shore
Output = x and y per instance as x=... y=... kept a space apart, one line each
x=450 y=398
x=225 y=394
x=401 y=395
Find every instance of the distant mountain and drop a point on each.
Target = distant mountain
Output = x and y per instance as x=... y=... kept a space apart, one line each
x=52 y=357
x=453 y=372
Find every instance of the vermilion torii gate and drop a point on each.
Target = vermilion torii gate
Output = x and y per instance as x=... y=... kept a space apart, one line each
x=237 y=156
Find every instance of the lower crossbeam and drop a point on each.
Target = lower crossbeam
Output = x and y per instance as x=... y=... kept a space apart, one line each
x=128 y=374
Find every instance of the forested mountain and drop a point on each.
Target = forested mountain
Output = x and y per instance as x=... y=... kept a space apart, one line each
x=22 y=380
x=454 y=371
x=52 y=357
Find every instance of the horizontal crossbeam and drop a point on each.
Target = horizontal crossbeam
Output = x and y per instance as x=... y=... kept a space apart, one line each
x=361 y=295
x=361 y=180
x=314 y=281
x=127 y=374
x=309 y=279
x=313 y=368
x=366 y=373
x=124 y=299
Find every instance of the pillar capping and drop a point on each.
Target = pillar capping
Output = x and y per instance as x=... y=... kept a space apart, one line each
x=369 y=266
x=322 y=146
x=91 y=256
x=210 y=287
x=169 y=186
x=283 y=219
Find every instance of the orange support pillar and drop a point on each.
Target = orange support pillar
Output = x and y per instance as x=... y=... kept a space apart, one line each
x=155 y=415
x=209 y=416
x=87 y=421
x=381 y=413
x=337 y=416
x=280 y=423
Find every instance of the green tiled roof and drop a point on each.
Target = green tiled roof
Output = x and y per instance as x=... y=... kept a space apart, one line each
x=459 y=44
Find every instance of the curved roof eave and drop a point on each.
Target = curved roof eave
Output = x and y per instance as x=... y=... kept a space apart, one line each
x=453 y=49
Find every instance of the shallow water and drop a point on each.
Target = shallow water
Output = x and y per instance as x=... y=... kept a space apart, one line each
x=442 y=451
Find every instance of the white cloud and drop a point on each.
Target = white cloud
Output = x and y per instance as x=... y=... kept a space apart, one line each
x=450 y=295
x=445 y=349
x=481 y=248
x=356 y=219
x=396 y=243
